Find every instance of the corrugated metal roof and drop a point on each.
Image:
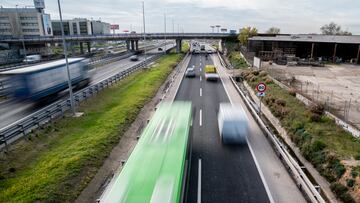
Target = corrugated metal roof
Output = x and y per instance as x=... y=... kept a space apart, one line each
x=341 y=39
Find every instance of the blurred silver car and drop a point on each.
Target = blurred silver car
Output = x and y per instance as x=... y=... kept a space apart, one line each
x=233 y=124
x=190 y=72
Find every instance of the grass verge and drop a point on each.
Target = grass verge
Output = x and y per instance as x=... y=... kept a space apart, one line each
x=320 y=140
x=59 y=161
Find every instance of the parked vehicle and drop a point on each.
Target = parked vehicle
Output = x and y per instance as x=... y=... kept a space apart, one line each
x=233 y=124
x=32 y=59
x=38 y=81
x=134 y=58
x=190 y=72
x=211 y=73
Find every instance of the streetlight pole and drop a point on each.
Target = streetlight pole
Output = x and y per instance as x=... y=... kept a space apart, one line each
x=22 y=35
x=67 y=62
x=165 y=32
x=143 y=10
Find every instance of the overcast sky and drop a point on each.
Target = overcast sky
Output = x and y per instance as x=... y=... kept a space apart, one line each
x=291 y=16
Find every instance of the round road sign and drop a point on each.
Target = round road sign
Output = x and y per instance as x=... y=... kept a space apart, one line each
x=261 y=87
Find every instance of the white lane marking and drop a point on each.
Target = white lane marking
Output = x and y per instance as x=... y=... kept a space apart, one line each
x=200 y=64
x=200 y=78
x=199 y=183
x=200 y=120
x=200 y=92
x=200 y=70
x=252 y=152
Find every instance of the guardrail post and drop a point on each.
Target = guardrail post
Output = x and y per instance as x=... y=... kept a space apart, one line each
x=3 y=141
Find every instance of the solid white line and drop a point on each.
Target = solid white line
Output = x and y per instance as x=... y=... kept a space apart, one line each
x=200 y=92
x=200 y=120
x=199 y=183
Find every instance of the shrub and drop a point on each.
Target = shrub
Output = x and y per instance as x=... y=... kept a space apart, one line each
x=338 y=188
x=281 y=102
x=255 y=72
x=354 y=174
x=317 y=109
x=357 y=157
x=315 y=117
x=269 y=81
x=337 y=167
x=350 y=182
x=292 y=92
x=263 y=74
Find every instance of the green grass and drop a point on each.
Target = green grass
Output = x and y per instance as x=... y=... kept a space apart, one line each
x=59 y=161
x=237 y=61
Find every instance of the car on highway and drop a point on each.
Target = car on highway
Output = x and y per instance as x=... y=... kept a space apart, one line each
x=211 y=73
x=134 y=58
x=233 y=124
x=32 y=58
x=160 y=49
x=190 y=72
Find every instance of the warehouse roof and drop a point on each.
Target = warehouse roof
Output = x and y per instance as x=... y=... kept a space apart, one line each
x=341 y=39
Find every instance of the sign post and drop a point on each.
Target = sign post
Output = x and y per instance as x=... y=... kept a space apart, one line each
x=261 y=88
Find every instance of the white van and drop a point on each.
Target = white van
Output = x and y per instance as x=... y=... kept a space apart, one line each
x=32 y=58
x=233 y=124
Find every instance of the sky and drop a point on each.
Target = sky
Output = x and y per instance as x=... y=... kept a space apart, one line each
x=291 y=16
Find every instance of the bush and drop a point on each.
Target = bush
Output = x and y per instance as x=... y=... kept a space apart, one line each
x=337 y=167
x=269 y=81
x=317 y=109
x=357 y=157
x=263 y=74
x=338 y=188
x=354 y=174
x=350 y=182
x=281 y=102
x=315 y=117
x=292 y=92
x=255 y=72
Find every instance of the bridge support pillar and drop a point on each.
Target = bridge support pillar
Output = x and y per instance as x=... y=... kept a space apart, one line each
x=81 y=48
x=88 y=47
x=132 y=45
x=178 y=45
x=137 y=45
x=127 y=45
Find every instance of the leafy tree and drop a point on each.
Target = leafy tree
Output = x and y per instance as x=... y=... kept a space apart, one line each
x=246 y=33
x=333 y=29
x=273 y=30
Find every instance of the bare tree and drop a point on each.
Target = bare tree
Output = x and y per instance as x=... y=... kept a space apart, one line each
x=333 y=29
x=273 y=30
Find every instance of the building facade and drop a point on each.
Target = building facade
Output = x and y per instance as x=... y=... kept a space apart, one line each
x=24 y=22
x=81 y=26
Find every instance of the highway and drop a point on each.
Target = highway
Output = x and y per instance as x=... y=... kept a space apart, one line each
x=11 y=111
x=228 y=173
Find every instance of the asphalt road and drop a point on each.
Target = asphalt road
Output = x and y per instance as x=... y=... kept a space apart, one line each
x=11 y=111
x=227 y=173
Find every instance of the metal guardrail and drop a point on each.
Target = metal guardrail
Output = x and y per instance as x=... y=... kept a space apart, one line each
x=296 y=171
x=45 y=115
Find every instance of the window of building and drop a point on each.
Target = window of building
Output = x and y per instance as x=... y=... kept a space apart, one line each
x=29 y=24
x=75 y=29
x=4 y=17
x=4 y=30
x=28 y=18
x=30 y=30
x=83 y=28
x=4 y=24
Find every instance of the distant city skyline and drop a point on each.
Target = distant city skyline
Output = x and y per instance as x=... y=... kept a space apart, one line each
x=197 y=16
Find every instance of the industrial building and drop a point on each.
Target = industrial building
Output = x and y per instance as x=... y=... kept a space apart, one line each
x=81 y=26
x=24 y=22
x=334 y=48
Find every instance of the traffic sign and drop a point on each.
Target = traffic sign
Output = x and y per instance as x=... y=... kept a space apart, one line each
x=261 y=87
x=261 y=94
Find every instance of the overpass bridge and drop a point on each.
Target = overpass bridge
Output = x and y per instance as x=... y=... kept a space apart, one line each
x=131 y=39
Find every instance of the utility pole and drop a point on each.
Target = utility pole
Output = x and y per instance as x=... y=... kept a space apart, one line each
x=165 y=32
x=22 y=34
x=173 y=28
x=67 y=62
x=143 y=10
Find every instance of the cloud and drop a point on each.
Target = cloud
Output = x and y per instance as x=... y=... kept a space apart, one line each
x=292 y=16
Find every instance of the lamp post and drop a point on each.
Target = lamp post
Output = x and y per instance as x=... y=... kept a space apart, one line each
x=212 y=28
x=218 y=27
x=165 y=32
x=67 y=62
x=22 y=35
x=143 y=10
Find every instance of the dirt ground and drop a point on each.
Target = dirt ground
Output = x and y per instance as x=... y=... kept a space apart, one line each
x=336 y=85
